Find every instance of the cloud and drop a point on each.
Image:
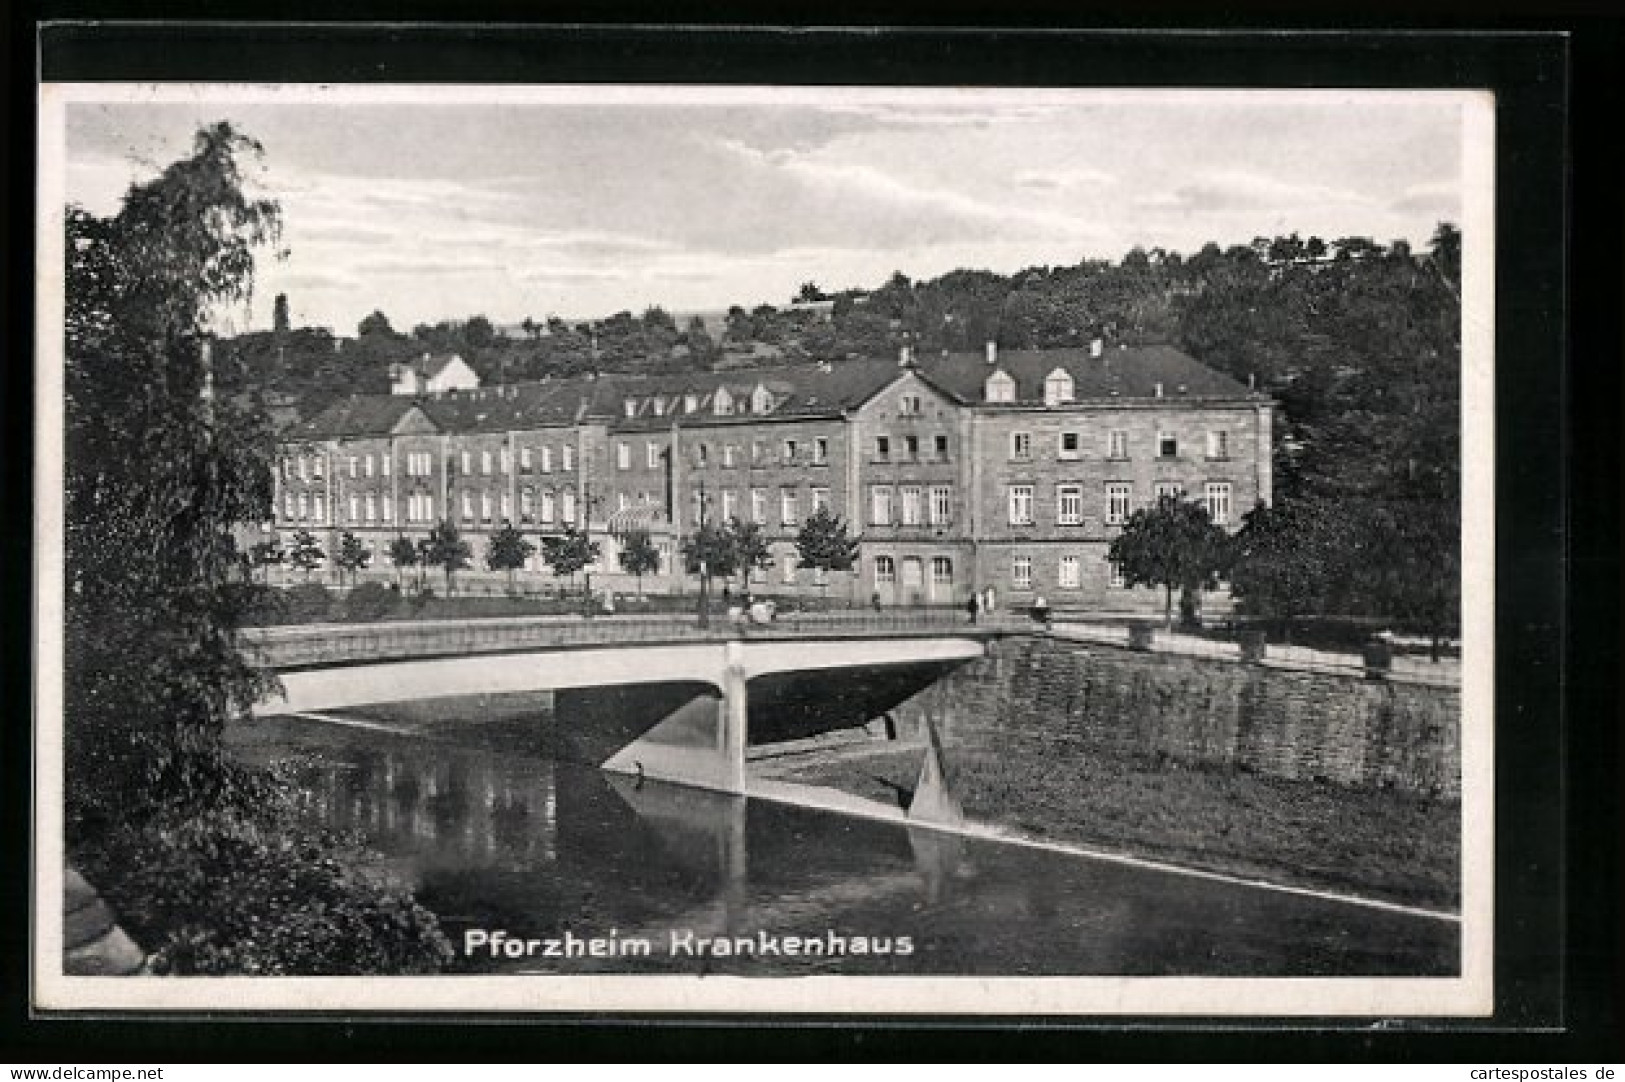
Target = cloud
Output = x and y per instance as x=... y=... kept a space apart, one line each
x=1434 y=197
x=1061 y=179
x=1234 y=189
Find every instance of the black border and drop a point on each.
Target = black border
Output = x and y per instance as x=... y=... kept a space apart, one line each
x=1556 y=888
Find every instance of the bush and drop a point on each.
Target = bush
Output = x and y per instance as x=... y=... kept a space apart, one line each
x=370 y=601
x=309 y=602
x=227 y=893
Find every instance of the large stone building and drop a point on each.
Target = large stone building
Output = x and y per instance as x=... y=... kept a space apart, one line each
x=1012 y=470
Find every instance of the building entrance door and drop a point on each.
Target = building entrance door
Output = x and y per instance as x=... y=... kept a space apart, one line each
x=913 y=580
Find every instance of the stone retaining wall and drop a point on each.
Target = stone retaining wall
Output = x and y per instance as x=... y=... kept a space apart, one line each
x=1045 y=697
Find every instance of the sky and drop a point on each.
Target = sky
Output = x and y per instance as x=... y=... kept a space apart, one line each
x=580 y=203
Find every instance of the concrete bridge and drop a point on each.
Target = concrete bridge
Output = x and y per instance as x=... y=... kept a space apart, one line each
x=650 y=696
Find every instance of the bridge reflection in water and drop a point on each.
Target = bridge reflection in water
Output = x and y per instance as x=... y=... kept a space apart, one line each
x=492 y=835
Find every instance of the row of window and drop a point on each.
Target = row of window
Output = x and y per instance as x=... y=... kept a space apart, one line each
x=792 y=452
x=908 y=449
x=1069 y=445
x=942 y=572
x=421 y=463
x=1119 y=498
x=789 y=505
x=369 y=509
x=885 y=573
x=911 y=505
x=1069 y=573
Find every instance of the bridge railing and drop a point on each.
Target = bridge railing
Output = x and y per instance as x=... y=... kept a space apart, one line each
x=291 y=647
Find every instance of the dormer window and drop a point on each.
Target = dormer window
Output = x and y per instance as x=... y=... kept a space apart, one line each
x=761 y=400
x=631 y=407
x=1000 y=388
x=690 y=403
x=660 y=408
x=1057 y=387
x=723 y=403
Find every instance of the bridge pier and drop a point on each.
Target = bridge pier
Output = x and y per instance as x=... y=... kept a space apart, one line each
x=734 y=719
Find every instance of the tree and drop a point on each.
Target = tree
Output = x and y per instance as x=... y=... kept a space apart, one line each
x=569 y=551
x=749 y=547
x=809 y=293
x=352 y=556
x=507 y=551
x=709 y=552
x=1279 y=562
x=403 y=553
x=157 y=474
x=306 y=554
x=824 y=545
x=375 y=324
x=448 y=551
x=639 y=556
x=1174 y=545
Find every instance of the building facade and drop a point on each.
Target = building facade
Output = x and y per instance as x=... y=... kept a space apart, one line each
x=959 y=473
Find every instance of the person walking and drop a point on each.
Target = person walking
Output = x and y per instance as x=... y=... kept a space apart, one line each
x=973 y=606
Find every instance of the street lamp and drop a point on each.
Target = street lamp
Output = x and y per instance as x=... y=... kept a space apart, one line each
x=705 y=599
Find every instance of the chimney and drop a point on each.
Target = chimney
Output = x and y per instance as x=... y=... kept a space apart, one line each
x=1096 y=347
x=992 y=352
x=905 y=356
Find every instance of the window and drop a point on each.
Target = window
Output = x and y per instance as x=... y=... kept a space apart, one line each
x=367 y=468
x=419 y=464
x=761 y=400
x=547 y=460
x=690 y=403
x=911 y=448
x=818 y=500
x=355 y=467
x=911 y=505
x=757 y=453
x=389 y=509
x=524 y=459
x=1057 y=387
x=318 y=508
x=942 y=505
x=1167 y=445
x=758 y=506
x=999 y=388
x=468 y=462
x=1117 y=443
x=630 y=407
x=885 y=571
x=788 y=452
x=652 y=456
x=787 y=567
x=730 y=505
x=942 y=571
x=1118 y=580
x=1021 y=572
x=304 y=506
x=1021 y=505
x=316 y=468
x=468 y=506
x=1218 y=502
x=1069 y=504
x=548 y=505
x=880 y=505
x=304 y=468
x=506 y=504
x=1118 y=494
x=1071 y=445
x=527 y=505
x=1218 y=444
x=939 y=445
x=909 y=405
x=567 y=458
x=567 y=505
x=505 y=460
x=1166 y=489
x=623 y=456
x=820 y=451
x=789 y=507
x=355 y=508
x=622 y=501
x=723 y=404
x=386 y=462
x=1021 y=445
x=287 y=469
x=882 y=448
x=728 y=455
x=287 y=505
x=1071 y=573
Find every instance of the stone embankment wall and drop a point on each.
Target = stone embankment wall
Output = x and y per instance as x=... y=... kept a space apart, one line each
x=1038 y=696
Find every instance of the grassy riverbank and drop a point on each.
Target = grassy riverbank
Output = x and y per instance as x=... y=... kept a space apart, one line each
x=1384 y=845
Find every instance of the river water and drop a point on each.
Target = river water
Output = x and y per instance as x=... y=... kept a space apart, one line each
x=495 y=836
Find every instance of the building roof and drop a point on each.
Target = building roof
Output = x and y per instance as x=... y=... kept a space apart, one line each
x=798 y=391
x=1119 y=372
x=358 y=415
